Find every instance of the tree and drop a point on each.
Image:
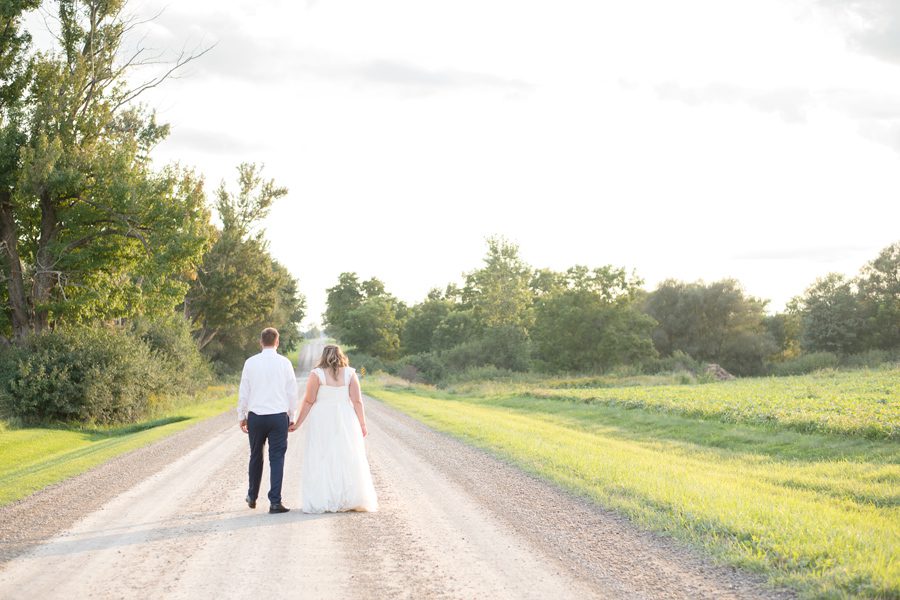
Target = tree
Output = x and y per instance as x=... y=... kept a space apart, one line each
x=500 y=292
x=879 y=296
x=423 y=320
x=364 y=315
x=15 y=74
x=239 y=288
x=831 y=317
x=344 y=297
x=591 y=321
x=89 y=230
x=374 y=326
x=714 y=322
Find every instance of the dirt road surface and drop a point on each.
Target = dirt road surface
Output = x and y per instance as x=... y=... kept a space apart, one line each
x=454 y=522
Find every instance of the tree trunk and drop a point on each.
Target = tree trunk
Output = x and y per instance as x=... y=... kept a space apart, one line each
x=44 y=274
x=206 y=336
x=9 y=242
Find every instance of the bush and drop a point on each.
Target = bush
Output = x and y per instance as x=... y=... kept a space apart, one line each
x=805 y=363
x=677 y=361
x=872 y=359
x=502 y=347
x=101 y=375
x=423 y=367
x=95 y=376
x=174 y=347
x=371 y=364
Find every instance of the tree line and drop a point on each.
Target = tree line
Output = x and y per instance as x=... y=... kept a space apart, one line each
x=94 y=236
x=510 y=316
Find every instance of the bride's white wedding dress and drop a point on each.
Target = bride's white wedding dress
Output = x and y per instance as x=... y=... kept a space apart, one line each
x=336 y=474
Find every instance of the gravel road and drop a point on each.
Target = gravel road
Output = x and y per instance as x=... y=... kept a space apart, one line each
x=169 y=521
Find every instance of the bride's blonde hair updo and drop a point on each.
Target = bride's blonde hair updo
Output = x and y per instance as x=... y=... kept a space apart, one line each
x=333 y=358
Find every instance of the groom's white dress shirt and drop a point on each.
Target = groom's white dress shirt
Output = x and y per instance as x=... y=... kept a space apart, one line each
x=268 y=385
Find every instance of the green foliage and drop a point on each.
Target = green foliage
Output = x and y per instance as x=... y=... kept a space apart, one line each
x=590 y=322
x=806 y=363
x=346 y=296
x=422 y=322
x=505 y=347
x=831 y=316
x=458 y=327
x=91 y=231
x=424 y=367
x=849 y=316
x=239 y=288
x=714 y=323
x=879 y=291
x=169 y=339
x=364 y=315
x=678 y=361
x=499 y=293
x=94 y=375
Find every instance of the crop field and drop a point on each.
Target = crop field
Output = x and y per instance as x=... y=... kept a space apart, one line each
x=797 y=478
x=865 y=402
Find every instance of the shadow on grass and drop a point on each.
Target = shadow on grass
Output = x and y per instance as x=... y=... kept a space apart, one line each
x=97 y=434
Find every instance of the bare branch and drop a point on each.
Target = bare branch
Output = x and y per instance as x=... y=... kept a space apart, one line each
x=182 y=60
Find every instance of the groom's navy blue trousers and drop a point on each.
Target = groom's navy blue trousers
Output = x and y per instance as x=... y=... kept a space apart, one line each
x=274 y=429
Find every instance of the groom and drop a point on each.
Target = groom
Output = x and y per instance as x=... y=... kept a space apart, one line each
x=267 y=403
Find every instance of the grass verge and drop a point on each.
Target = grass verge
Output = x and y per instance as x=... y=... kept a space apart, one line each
x=33 y=458
x=817 y=512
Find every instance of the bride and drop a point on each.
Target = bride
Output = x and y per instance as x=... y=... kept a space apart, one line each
x=336 y=474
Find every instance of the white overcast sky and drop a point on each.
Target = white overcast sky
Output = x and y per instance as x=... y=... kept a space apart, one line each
x=699 y=139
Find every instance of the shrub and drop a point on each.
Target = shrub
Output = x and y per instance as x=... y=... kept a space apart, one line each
x=422 y=367
x=677 y=361
x=186 y=369
x=871 y=359
x=101 y=375
x=806 y=363
x=96 y=376
x=360 y=360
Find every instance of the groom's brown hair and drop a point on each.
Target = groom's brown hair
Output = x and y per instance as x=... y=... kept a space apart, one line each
x=269 y=336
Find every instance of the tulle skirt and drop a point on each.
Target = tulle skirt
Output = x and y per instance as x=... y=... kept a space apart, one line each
x=336 y=475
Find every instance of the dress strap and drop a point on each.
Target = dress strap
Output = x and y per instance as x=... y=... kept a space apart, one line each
x=348 y=374
x=320 y=374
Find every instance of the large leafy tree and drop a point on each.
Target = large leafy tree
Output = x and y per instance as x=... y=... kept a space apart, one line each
x=879 y=292
x=588 y=320
x=830 y=316
x=89 y=229
x=240 y=288
x=424 y=318
x=500 y=292
x=15 y=73
x=714 y=322
x=363 y=315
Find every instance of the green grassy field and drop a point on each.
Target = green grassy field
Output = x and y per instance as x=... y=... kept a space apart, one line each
x=797 y=478
x=33 y=458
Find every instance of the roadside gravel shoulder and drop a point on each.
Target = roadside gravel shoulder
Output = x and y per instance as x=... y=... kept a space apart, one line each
x=38 y=517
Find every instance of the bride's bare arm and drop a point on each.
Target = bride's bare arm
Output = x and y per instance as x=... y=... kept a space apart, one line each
x=309 y=398
x=356 y=398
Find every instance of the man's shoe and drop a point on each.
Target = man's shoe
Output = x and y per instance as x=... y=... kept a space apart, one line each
x=251 y=502
x=278 y=508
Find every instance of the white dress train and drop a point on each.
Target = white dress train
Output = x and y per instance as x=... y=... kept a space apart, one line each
x=336 y=475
